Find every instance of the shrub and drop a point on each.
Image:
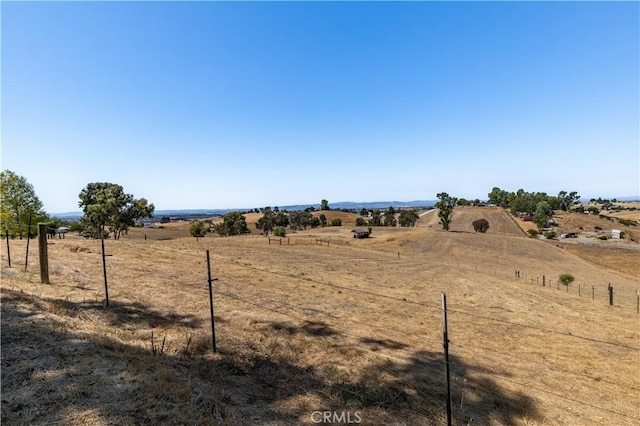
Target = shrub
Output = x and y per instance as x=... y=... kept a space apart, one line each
x=279 y=231
x=628 y=222
x=361 y=221
x=603 y=237
x=336 y=222
x=566 y=279
x=597 y=228
x=533 y=233
x=550 y=235
x=481 y=225
x=197 y=229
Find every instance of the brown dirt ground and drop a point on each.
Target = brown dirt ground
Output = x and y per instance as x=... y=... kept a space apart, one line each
x=349 y=325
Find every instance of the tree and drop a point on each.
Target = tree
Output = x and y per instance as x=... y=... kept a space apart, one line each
x=408 y=218
x=361 y=222
x=18 y=201
x=364 y=212
x=336 y=222
x=267 y=222
x=279 y=231
x=323 y=220
x=565 y=200
x=376 y=218
x=106 y=205
x=566 y=279
x=499 y=197
x=543 y=213
x=324 y=205
x=300 y=219
x=233 y=223
x=390 y=217
x=481 y=225
x=197 y=229
x=445 y=209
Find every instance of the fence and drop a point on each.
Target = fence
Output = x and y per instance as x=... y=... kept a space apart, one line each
x=264 y=302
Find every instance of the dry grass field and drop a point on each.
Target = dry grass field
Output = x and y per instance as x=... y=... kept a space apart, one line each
x=319 y=321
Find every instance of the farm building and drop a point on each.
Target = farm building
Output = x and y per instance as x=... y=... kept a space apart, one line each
x=361 y=233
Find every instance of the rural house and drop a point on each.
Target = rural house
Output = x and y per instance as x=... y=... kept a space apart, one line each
x=360 y=233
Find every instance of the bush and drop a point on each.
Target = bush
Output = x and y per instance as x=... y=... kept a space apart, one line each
x=533 y=233
x=361 y=221
x=566 y=279
x=336 y=222
x=628 y=222
x=481 y=225
x=197 y=229
x=603 y=237
x=597 y=228
x=550 y=235
x=279 y=231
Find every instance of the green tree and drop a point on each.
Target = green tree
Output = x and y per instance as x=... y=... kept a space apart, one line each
x=336 y=222
x=499 y=197
x=376 y=218
x=445 y=209
x=566 y=279
x=565 y=200
x=408 y=218
x=300 y=219
x=390 y=217
x=324 y=205
x=106 y=206
x=323 y=220
x=18 y=201
x=233 y=223
x=198 y=229
x=364 y=212
x=267 y=222
x=361 y=222
x=543 y=213
x=279 y=231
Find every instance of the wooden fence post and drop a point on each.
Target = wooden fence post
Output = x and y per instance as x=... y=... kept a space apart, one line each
x=44 y=256
x=26 y=257
x=8 y=248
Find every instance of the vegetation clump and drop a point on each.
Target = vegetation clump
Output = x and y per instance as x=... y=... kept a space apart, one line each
x=566 y=279
x=481 y=225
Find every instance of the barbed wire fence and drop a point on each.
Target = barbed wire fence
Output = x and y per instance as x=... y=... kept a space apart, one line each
x=270 y=303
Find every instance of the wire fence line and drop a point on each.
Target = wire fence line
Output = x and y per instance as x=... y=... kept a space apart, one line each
x=492 y=372
x=285 y=308
x=622 y=296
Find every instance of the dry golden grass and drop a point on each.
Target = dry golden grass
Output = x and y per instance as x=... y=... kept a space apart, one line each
x=351 y=326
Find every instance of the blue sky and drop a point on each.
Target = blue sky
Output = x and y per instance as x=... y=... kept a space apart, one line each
x=240 y=105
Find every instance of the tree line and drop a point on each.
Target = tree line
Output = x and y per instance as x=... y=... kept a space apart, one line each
x=109 y=211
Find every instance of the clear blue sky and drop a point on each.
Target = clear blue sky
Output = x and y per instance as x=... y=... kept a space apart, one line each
x=239 y=105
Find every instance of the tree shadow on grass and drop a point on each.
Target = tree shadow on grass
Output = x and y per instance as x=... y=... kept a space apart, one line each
x=52 y=373
x=132 y=314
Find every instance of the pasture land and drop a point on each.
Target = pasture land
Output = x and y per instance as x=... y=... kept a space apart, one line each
x=353 y=326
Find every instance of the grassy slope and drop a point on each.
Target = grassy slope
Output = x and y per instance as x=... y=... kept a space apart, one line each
x=302 y=327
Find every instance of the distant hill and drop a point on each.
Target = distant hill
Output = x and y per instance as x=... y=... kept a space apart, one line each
x=194 y=213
